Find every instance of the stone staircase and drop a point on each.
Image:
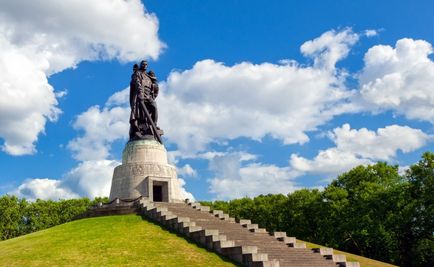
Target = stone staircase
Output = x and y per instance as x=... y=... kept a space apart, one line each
x=241 y=241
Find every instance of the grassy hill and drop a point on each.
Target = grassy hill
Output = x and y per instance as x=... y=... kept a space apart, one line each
x=105 y=241
x=115 y=241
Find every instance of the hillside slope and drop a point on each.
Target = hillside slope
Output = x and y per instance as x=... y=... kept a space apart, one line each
x=105 y=241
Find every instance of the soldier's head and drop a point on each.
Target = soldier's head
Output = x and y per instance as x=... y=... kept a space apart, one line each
x=143 y=65
x=135 y=67
x=151 y=75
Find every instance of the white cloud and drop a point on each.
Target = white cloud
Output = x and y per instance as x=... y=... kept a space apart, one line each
x=43 y=188
x=187 y=171
x=91 y=178
x=212 y=102
x=235 y=178
x=371 y=33
x=79 y=30
x=185 y=193
x=331 y=161
x=330 y=47
x=101 y=127
x=232 y=180
x=120 y=98
x=380 y=145
x=39 y=38
x=26 y=100
x=363 y=146
x=399 y=78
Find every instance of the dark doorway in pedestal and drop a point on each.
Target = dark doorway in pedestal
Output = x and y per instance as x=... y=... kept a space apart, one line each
x=157 y=192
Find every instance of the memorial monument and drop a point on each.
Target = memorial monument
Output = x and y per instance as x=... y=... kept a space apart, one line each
x=145 y=171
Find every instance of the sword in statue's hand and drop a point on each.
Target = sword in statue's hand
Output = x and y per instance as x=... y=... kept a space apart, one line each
x=153 y=126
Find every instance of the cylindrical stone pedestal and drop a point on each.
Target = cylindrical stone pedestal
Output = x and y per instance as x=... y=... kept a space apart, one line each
x=146 y=172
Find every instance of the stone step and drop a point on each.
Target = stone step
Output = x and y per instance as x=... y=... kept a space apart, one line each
x=244 y=221
x=222 y=244
x=231 y=220
x=237 y=253
x=194 y=204
x=222 y=216
x=272 y=263
x=200 y=236
x=209 y=240
x=255 y=257
x=190 y=229
x=287 y=240
x=214 y=230
x=167 y=217
x=251 y=226
x=163 y=213
x=298 y=245
x=182 y=225
x=217 y=212
x=324 y=251
x=204 y=208
x=279 y=234
x=259 y=230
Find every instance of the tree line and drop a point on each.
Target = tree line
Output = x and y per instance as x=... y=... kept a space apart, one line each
x=19 y=216
x=371 y=211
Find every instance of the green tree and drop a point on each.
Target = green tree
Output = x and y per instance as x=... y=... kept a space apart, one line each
x=416 y=231
x=368 y=210
x=11 y=216
x=302 y=214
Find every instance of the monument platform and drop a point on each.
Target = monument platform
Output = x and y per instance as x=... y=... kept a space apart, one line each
x=145 y=172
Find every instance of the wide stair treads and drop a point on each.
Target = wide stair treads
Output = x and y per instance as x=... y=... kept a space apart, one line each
x=241 y=241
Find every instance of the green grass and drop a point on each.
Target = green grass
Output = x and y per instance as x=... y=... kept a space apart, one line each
x=105 y=241
x=117 y=241
x=364 y=262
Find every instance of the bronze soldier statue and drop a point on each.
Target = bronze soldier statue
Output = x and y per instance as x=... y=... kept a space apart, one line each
x=144 y=114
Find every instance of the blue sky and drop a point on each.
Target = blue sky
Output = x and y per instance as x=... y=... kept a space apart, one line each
x=257 y=96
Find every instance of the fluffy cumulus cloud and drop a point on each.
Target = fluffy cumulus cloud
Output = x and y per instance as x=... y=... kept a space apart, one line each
x=43 y=188
x=88 y=179
x=91 y=178
x=212 y=102
x=51 y=38
x=26 y=102
x=187 y=171
x=363 y=146
x=330 y=47
x=100 y=127
x=235 y=178
x=400 y=78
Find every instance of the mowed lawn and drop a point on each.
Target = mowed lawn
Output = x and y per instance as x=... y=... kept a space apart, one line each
x=105 y=241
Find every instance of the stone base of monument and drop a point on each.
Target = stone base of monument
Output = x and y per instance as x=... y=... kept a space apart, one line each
x=146 y=173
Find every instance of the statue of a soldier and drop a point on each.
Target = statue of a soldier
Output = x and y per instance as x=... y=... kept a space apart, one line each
x=144 y=114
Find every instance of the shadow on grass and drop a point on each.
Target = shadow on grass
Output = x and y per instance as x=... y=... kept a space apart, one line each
x=188 y=239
